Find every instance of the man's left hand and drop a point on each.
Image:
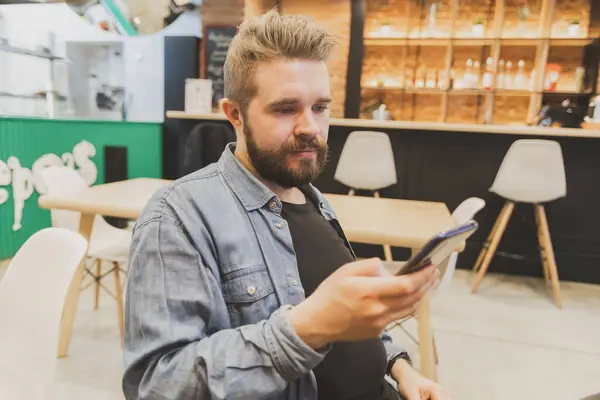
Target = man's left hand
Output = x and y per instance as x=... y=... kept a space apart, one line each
x=413 y=386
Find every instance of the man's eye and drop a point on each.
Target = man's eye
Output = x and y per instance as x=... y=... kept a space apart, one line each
x=285 y=110
x=321 y=108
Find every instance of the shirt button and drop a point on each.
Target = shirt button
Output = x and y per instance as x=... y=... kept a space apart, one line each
x=251 y=290
x=272 y=205
x=294 y=282
x=279 y=225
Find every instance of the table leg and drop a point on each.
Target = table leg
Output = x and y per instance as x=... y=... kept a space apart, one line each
x=426 y=348
x=70 y=307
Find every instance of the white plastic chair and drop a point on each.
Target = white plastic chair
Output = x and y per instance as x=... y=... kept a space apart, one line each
x=462 y=214
x=107 y=243
x=533 y=172
x=465 y=212
x=32 y=295
x=367 y=163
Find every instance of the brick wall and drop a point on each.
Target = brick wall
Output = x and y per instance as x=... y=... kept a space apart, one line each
x=253 y=8
x=226 y=12
x=335 y=15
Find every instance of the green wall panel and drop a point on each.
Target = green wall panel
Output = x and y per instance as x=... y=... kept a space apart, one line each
x=29 y=139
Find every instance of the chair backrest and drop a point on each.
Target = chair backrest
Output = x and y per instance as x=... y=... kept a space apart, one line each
x=532 y=171
x=32 y=295
x=60 y=181
x=461 y=214
x=204 y=146
x=367 y=161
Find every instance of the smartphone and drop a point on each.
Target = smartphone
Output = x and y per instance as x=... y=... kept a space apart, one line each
x=438 y=248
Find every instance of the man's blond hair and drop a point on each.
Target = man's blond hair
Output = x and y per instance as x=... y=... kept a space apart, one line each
x=271 y=36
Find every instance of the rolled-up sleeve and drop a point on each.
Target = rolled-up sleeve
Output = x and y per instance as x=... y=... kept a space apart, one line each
x=173 y=348
x=391 y=348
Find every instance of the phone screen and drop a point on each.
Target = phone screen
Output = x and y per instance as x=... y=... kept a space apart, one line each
x=438 y=248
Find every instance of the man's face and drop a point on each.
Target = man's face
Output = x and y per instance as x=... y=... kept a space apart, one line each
x=286 y=124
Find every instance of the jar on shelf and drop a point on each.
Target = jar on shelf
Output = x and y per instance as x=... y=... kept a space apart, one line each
x=478 y=28
x=574 y=27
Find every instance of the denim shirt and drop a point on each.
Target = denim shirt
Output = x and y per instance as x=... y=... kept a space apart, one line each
x=212 y=277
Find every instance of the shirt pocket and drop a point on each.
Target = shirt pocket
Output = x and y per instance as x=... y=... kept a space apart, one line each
x=249 y=294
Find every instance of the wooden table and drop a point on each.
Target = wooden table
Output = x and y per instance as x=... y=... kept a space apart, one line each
x=124 y=199
x=401 y=223
x=364 y=219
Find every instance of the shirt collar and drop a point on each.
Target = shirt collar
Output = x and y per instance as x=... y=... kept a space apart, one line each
x=251 y=192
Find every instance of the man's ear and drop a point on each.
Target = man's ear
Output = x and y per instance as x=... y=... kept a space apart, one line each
x=232 y=112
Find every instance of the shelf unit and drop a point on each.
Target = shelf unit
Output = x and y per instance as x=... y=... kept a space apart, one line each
x=402 y=44
x=50 y=96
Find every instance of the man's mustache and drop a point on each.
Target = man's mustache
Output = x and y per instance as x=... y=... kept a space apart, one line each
x=304 y=145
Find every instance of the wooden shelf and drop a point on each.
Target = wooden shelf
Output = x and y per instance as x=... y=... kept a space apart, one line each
x=540 y=40
x=475 y=42
x=17 y=50
x=568 y=42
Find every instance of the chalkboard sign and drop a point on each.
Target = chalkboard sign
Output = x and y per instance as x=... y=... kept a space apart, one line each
x=216 y=43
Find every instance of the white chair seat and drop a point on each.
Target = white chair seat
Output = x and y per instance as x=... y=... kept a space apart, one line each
x=367 y=161
x=110 y=244
x=532 y=172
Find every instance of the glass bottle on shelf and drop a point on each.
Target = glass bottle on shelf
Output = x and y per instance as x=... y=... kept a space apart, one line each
x=432 y=19
x=476 y=75
x=408 y=78
x=488 y=75
x=520 y=77
x=508 y=78
x=420 y=78
x=443 y=80
x=467 y=76
x=431 y=80
x=500 y=76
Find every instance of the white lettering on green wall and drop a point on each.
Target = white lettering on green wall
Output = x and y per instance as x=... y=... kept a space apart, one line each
x=24 y=181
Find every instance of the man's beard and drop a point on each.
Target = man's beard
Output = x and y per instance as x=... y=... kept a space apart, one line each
x=272 y=165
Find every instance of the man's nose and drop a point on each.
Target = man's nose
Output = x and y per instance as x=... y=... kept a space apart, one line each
x=307 y=124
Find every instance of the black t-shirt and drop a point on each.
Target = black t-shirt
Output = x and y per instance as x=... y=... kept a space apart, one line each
x=351 y=370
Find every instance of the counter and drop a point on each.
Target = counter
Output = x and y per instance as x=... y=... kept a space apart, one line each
x=27 y=145
x=452 y=162
x=428 y=126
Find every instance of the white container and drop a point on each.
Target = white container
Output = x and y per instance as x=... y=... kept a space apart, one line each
x=478 y=30
x=198 y=96
x=573 y=30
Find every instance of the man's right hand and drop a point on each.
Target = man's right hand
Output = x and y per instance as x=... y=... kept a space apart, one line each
x=357 y=302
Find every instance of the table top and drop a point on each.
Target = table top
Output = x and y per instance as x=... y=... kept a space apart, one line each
x=124 y=199
x=402 y=223
x=369 y=124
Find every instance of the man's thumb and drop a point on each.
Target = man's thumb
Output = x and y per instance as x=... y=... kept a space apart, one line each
x=414 y=395
x=366 y=267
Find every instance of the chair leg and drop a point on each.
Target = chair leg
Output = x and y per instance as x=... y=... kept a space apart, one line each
x=541 y=246
x=548 y=251
x=486 y=244
x=119 y=297
x=97 y=287
x=504 y=217
x=387 y=249
x=435 y=351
